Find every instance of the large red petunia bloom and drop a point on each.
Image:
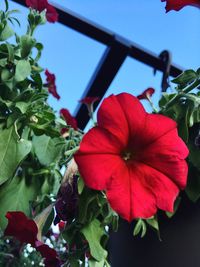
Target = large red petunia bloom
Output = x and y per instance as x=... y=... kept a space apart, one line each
x=26 y=230
x=40 y=5
x=136 y=157
x=51 y=80
x=179 y=4
x=70 y=120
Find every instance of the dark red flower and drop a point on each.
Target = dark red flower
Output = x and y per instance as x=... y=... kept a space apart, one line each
x=136 y=157
x=70 y=120
x=49 y=254
x=89 y=100
x=21 y=227
x=26 y=230
x=51 y=78
x=64 y=131
x=179 y=4
x=67 y=201
x=148 y=92
x=40 y=5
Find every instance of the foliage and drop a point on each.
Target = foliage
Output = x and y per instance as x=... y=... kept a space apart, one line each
x=33 y=152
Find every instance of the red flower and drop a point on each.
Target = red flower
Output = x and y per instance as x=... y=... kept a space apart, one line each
x=179 y=4
x=51 y=78
x=40 y=5
x=50 y=255
x=89 y=100
x=138 y=158
x=70 y=120
x=148 y=92
x=26 y=230
x=61 y=225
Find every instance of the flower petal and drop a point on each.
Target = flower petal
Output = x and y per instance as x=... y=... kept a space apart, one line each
x=100 y=141
x=167 y=155
x=51 y=14
x=128 y=197
x=159 y=186
x=154 y=126
x=138 y=190
x=179 y=4
x=118 y=114
x=97 y=169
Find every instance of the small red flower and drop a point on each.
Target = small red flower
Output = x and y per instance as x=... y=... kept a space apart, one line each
x=89 y=100
x=49 y=254
x=136 y=157
x=51 y=78
x=64 y=131
x=21 y=227
x=26 y=230
x=40 y=5
x=61 y=225
x=179 y=4
x=148 y=92
x=70 y=120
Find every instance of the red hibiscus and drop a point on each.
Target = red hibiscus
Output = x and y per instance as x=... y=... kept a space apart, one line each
x=147 y=93
x=179 y=4
x=40 y=5
x=70 y=120
x=136 y=157
x=26 y=230
x=51 y=78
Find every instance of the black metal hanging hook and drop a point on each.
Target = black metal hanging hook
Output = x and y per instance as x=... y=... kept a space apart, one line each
x=166 y=58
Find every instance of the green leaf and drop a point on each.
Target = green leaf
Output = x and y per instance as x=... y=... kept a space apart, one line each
x=12 y=152
x=153 y=222
x=93 y=233
x=27 y=43
x=87 y=200
x=7 y=5
x=23 y=70
x=16 y=196
x=6 y=75
x=185 y=78
x=47 y=149
x=176 y=205
x=6 y=33
x=80 y=185
x=140 y=227
x=93 y=263
x=22 y=106
x=194 y=155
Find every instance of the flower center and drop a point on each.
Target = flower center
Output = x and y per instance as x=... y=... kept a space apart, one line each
x=127 y=155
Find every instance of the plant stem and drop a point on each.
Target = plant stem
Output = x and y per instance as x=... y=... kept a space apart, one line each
x=184 y=91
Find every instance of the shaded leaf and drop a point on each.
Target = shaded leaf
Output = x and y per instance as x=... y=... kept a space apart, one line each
x=16 y=196
x=93 y=233
x=47 y=149
x=23 y=70
x=12 y=152
x=6 y=33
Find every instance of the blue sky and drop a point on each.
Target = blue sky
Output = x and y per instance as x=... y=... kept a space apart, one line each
x=73 y=57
